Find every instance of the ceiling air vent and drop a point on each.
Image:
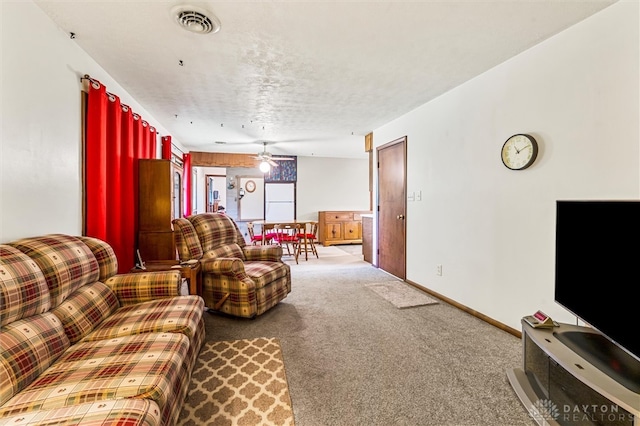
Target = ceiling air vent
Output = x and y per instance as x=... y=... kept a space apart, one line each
x=195 y=20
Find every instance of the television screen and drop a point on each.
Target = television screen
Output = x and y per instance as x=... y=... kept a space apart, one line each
x=597 y=274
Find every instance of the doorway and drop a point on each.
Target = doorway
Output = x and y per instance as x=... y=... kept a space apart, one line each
x=215 y=192
x=392 y=207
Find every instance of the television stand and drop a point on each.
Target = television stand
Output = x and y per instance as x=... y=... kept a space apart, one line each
x=604 y=355
x=559 y=386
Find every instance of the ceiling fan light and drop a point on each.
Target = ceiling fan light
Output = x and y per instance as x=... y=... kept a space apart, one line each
x=265 y=167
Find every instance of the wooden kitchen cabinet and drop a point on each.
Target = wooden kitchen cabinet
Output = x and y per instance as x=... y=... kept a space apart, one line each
x=340 y=227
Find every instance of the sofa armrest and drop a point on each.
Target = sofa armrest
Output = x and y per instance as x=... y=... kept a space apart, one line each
x=229 y=266
x=145 y=286
x=265 y=253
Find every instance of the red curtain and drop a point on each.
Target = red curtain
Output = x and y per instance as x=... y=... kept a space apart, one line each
x=116 y=138
x=186 y=185
x=166 y=148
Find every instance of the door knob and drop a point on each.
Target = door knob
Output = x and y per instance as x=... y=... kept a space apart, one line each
x=400 y=216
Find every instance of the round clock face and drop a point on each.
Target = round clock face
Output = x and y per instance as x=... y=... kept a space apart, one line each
x=250 y=185
x=519 y=152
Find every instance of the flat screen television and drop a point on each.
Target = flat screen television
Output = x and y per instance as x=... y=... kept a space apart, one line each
x=597 y=271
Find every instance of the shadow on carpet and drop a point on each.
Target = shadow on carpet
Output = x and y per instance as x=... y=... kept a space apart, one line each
x=401 y=295
x=238 y=382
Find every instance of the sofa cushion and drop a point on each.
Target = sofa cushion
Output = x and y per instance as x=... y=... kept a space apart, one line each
x=232 y=250
x=86 y=308
x=214 y=230
x=27 y=348
x=66 y=262
x=187 y=242
x=176 y=315
x=126 y=412
x=23 y=289
x=141 y=366
x=104 y=254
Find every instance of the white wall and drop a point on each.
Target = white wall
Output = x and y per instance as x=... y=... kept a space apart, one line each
x=493 y=229
x=220 y=184
x=252 y=204
x=40 y=153
x=331 y=184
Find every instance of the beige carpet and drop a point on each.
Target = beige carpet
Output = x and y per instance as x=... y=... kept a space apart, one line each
x=401 y=295
x=239 y=382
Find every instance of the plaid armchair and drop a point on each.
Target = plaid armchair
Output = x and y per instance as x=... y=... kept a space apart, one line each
x=237 y=279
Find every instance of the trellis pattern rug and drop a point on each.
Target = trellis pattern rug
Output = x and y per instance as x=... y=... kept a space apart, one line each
x=401 y=295
x=238 y=382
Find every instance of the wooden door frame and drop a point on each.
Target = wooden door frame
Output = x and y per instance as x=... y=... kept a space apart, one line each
x=403 y=141
x=206 y=190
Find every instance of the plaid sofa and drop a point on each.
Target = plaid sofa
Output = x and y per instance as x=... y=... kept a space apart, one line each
x=237 y=279
x=80 y=344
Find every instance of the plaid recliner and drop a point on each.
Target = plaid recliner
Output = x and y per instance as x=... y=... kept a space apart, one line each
x=237 y=279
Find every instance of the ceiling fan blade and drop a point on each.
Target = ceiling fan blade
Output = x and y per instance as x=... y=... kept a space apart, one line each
x=270 y=161
x=283 y=158
x=237 y=143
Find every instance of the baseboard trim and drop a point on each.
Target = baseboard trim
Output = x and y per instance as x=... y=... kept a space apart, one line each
x=468 y=310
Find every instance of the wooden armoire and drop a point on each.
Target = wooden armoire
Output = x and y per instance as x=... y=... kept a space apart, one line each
x=159 y=202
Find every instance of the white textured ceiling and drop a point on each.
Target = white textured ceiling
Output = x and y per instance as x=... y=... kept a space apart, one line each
x=311 y=76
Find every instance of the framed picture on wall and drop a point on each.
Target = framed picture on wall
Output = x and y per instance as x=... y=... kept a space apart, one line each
x=287 y=171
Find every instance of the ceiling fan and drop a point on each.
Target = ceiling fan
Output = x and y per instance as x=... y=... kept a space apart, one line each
x=266 y=156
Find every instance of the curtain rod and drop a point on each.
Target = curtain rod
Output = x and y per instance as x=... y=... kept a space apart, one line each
x=93 y=80
x=176 y=147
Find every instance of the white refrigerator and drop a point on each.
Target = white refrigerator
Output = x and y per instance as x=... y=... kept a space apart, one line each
x=279 y=202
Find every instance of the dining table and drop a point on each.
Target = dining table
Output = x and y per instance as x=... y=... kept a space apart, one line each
x=268 y=226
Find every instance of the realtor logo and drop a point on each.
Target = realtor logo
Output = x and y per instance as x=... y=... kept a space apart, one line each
x=544 y=409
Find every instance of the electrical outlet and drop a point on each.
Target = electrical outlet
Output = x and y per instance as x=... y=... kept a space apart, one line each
x=439 y=270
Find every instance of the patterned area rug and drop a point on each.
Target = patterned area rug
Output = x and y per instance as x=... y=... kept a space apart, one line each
x=239 y=382
x=401 y=295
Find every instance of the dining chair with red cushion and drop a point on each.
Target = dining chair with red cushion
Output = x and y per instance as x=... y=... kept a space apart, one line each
x=286 y=236
x=310 y=231
x=255 y=239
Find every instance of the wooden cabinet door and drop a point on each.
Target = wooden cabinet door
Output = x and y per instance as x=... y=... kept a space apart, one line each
x=154 y=195
x=352 y=230
x=156 y=208
x=333 y=231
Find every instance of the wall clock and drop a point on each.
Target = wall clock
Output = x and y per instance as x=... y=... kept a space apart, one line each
x=519 y=152
x=250 y=186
